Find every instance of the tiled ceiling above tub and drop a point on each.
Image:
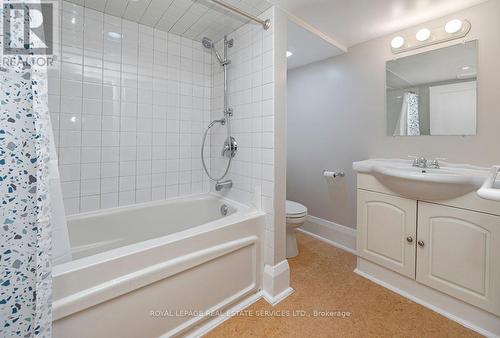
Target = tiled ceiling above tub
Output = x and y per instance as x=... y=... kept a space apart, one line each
x=192 y=19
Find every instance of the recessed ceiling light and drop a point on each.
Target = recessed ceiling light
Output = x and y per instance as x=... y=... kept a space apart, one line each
x=114 y=35
x=73 y=20
x=453 y=26
x=423 y=34
x=288 y=54
x=465 y=67
x=397 y=42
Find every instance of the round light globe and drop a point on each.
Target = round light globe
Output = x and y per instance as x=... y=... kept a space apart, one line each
x=453 y=26
x=397 y=42
x=423 y=34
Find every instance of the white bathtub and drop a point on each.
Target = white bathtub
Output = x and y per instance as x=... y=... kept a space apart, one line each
x=156 y=269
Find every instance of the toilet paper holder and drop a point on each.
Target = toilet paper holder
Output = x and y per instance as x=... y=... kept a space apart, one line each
x=333 y=174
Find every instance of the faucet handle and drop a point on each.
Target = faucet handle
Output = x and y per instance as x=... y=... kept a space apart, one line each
x=434 y=163
x=414 y=158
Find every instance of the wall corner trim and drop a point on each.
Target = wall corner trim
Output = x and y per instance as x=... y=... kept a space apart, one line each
x=340 y=236
x=307 y=26
x=276 y=283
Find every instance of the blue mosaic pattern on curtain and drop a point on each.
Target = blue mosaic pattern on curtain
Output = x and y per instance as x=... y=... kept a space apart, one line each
x=25 y=279
x=25 y=231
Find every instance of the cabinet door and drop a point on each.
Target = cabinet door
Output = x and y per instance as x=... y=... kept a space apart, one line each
x=386 y=231
x=459 y=254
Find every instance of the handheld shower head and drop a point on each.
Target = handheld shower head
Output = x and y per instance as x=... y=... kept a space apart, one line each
x=209 y=44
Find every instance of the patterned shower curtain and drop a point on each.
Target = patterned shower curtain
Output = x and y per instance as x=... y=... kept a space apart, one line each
x=25 y=233
x=408 y=123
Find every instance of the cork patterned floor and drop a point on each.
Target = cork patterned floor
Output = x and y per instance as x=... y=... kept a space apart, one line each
x=346 y=304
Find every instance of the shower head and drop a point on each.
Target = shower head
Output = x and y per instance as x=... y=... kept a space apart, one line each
x=209 y=44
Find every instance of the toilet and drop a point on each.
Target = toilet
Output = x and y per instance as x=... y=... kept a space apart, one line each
x=296 y=215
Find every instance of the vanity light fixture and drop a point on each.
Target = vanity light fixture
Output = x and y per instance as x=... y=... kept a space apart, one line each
x=397 y=42
x=423 y=34
x=453 y=26
x=426 y=36
x=288 y=54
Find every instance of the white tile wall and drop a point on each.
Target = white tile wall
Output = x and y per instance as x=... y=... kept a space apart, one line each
x=129 y=104
x=251 y=88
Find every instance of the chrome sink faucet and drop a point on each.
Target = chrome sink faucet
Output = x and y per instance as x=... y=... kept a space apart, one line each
x=420 y=162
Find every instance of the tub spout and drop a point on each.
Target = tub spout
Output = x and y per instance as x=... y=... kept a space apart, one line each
x=224 y=184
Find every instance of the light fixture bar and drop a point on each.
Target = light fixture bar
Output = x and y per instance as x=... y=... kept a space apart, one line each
x=265 y=23
x=427 y=37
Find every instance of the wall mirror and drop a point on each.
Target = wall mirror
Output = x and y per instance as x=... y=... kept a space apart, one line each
x=433 y=93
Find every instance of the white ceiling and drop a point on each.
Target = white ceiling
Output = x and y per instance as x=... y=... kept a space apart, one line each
x=353 y=21
x=307 y=47
x=442 y=64
x=331 y=25
x=193 y=19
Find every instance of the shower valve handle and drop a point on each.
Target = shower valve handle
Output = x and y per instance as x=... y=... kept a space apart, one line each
x=230 y=147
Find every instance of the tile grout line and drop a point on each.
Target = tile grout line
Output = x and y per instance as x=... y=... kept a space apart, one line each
x=137 y=162
x=119 y=126
x=102 y=114
x=81 y=111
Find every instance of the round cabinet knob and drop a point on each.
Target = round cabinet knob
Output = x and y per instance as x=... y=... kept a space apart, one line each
x=409 y=239
x=421 y=244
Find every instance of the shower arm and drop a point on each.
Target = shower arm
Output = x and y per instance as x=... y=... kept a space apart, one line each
x=265 y=23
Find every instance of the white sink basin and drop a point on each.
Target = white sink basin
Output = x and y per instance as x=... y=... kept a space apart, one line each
x=450 y=181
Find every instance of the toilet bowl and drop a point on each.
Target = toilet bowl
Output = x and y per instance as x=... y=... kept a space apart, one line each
x=296 y=215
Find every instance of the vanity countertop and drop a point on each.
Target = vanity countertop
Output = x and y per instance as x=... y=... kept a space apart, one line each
x=449 y=180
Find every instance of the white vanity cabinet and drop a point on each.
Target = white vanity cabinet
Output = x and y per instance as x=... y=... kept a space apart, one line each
x=387 y=230
x=442 y=245
x=458 y=253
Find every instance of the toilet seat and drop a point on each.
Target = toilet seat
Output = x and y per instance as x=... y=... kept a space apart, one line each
x=295 y=210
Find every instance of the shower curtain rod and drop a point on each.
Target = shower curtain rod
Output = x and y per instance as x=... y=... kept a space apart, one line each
x=265 y=23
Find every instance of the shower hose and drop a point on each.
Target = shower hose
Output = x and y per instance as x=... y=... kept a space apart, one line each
x=216 y=179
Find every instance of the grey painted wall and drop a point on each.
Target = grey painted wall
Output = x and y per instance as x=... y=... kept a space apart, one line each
x=336 y=115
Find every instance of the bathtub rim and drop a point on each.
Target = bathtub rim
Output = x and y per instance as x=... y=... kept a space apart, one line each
x=144 y=205
x=242 y=213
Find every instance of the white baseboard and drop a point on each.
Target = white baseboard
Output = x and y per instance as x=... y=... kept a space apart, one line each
x=332 y=233
x=279 y=297
x=276 y=283
x=454 y=309
x=231 y=312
